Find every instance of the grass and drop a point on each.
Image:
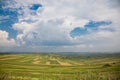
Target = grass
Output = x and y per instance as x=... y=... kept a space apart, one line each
x=53 y=62
x=83 y=67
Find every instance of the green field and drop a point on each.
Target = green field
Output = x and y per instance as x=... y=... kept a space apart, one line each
x=53 y=66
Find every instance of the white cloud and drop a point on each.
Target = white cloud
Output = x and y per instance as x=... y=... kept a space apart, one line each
x=5 y=41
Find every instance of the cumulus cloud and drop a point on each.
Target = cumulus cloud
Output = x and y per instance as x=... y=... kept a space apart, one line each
x=5 y=41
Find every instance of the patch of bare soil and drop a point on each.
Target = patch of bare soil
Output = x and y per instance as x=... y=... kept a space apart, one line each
x=36 y=60
x=61 y=63
x=48 y=63
x=64 y=63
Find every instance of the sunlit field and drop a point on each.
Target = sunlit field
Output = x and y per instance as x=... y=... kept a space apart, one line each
x=52 y=66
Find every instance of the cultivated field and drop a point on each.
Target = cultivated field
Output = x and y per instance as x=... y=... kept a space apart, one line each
x=51 y=66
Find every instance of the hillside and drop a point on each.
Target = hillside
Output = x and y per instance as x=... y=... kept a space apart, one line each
x=53 y=66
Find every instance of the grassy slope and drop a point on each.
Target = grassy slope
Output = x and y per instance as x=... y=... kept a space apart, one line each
x=60 y=67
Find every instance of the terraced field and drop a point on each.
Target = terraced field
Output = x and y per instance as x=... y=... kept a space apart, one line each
x=44 y=66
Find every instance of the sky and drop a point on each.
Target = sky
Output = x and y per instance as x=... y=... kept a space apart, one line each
x=59 y=26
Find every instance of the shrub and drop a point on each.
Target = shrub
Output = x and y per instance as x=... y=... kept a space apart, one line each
x=106 y=65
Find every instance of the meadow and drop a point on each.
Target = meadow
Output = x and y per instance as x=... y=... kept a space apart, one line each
x=59 y=66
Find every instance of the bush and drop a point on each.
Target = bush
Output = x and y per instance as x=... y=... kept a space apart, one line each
x=106 y=65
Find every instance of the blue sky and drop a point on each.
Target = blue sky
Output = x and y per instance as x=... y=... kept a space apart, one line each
x=49 y=26
x=8 y=17
x=92 y=25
